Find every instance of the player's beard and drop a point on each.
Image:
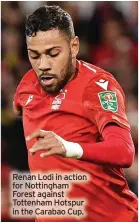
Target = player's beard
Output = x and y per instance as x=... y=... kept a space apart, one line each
x=66 y=74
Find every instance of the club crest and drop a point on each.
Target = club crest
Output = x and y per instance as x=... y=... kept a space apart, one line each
x=58 y=100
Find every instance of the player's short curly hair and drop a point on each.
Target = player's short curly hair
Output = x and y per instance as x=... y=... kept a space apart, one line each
x=47 y=18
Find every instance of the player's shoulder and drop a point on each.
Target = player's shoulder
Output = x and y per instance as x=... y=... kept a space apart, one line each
x=92 y=72
x=27 y=80
x=29 y=76
x=97 y=76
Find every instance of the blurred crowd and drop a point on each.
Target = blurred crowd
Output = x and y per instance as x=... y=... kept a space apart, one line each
x=108 y=33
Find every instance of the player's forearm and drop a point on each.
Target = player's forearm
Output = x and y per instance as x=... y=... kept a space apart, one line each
x=117 y=149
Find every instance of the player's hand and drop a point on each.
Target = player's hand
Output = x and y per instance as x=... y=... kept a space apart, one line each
x=17 y=111
x=54 y=144
x=47 y=141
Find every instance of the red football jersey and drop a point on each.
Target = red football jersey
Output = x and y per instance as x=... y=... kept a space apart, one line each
x=78 y=113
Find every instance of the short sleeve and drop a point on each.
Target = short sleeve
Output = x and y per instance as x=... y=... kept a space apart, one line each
x=104 y=102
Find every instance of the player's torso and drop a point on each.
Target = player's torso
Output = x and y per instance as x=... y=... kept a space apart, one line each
x=64 y=115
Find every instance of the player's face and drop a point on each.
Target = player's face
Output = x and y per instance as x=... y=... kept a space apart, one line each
x=53 y=58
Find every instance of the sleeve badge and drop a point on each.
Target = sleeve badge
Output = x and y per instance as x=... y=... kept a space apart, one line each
x=108 y=101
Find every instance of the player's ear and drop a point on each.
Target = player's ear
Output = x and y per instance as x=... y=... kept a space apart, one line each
x=74 y=46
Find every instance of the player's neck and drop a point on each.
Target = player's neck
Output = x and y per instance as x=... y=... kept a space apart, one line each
x=75 y=70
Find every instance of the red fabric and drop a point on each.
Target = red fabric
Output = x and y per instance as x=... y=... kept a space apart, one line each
x=79 y=118
x=93 y=107
x=117 y=149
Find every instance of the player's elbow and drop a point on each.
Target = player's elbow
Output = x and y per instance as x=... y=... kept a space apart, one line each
x=129 y=158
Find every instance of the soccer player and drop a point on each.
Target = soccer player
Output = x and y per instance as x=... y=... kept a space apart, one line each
x=74 y=118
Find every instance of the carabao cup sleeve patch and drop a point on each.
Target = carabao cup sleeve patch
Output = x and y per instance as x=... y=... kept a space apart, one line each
x=105 y=106
x=108 y=101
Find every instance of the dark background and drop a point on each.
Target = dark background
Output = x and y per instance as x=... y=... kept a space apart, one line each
x=108 y=33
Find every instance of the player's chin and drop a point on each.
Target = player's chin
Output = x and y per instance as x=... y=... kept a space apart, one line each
x=51 y=89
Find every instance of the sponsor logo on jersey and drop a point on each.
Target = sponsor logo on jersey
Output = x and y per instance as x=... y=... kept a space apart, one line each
x=58 y=100
x=102 y=83
x=30 y=98
x=108 y=100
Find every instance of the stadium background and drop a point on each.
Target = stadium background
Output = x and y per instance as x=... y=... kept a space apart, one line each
x=108 y=33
